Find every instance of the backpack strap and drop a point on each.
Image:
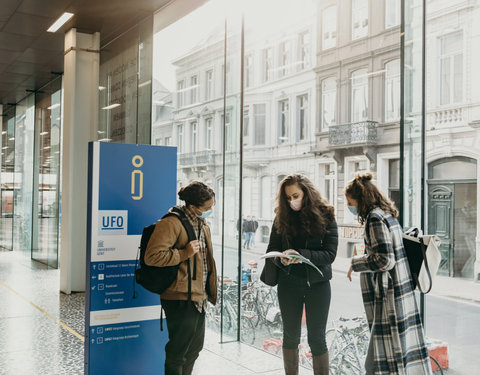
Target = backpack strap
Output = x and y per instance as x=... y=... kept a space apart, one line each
x=191 y=237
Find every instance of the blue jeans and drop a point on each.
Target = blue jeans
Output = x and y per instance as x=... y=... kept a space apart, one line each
x=248 y=239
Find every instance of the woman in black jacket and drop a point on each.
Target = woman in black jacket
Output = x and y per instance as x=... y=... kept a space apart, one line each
x=305 y=223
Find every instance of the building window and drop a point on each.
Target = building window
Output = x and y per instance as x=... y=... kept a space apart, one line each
x=180 y=138
x=225 y=76
x=158 y=141
x=304 y=50
x=302 y=117
x=359 y=19
x=392 y=90
x=354 y=164
x=227 y=120
x=327 y=181
x=180 y=93
x=394 y=181
x=248 y=70
x=246 y=124
x=209 y=133
x=193 y=89
x=209 y=84
x=193 y=136
x=283 y=114
x=329 y=27
x=260 y=124
x=167 y=141
x=392 y=13
x=359 y=95
x=267 y=64
x=451 y=68
x=284 y=58
x=329 y=102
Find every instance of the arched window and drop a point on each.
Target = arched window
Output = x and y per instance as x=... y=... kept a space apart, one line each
x=456 y=168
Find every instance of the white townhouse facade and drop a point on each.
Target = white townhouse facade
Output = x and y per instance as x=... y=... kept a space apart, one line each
x=322 y=97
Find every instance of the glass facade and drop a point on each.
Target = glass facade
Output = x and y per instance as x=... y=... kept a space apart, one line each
x=30 y=177
x=304 y=112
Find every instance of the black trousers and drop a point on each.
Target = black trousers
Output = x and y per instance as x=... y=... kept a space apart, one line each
x=293 y=294
x=186 y=333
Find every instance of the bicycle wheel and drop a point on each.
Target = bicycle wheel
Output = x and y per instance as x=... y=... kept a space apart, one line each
x=247 y=333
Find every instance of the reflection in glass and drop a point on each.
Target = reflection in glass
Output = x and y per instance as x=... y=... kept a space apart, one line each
x=125 y=87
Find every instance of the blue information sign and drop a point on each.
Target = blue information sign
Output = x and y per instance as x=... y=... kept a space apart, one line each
x=129 y=187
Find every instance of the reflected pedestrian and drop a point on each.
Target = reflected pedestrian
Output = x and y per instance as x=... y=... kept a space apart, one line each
x=397 y=345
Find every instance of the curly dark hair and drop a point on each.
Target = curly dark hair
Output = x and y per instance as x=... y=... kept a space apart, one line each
x=368 y=196
x=314 y=216
x=196 y=193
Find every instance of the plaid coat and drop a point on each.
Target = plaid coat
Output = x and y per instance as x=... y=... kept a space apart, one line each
x=389 y=300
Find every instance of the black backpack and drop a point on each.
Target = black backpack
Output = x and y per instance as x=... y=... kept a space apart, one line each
x=158 y=279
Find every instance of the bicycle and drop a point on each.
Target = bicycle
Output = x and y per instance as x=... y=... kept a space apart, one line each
x=347 y=344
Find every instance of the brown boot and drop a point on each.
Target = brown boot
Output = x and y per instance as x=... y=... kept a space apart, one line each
x=290 y=361
x=320 y=364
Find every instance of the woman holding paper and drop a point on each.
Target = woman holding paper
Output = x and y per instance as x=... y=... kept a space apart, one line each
x=304 y=225
x=397 y=344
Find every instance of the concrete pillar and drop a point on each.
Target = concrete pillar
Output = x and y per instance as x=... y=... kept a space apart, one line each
x=80 y=122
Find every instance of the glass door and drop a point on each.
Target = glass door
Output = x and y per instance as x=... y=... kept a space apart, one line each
x=46 y=208
x=7 y=179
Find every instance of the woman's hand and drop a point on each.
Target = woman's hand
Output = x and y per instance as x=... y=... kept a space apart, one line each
x=349 y=273
x=192 y=248
x=286 y=261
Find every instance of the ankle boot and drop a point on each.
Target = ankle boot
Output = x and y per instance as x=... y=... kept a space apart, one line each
x=290 y=361
x=320 y=364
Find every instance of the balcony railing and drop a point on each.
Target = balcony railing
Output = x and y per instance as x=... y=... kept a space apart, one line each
x=362 y=133
x=197 y=158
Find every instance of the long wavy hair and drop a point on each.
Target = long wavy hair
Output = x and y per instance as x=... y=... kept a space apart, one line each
x=368 y=196
x=314 y=215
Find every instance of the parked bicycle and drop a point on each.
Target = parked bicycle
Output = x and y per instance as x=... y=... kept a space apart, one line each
x=347 y=344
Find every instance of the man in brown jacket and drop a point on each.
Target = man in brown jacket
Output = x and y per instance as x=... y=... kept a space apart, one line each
x=168 y=246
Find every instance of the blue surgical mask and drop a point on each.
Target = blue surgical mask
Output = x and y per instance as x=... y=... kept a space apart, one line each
x=205 y=214
x=353 y=210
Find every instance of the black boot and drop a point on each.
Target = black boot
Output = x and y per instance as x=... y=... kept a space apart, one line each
x=172 y=369
x=188 y=368
x=320 y=364
x=290 y=361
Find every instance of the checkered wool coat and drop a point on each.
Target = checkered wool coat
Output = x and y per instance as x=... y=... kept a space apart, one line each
x=389 y=300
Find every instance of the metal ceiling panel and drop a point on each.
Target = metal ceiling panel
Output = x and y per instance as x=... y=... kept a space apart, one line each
x=13 y=42
x=28 y=53
x=28 y=24
x=7 y=8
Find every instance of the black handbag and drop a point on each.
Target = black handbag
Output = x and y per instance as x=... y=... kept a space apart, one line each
x=269 y=273
x=423 y=258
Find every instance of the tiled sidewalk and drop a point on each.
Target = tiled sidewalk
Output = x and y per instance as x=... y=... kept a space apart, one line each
x=33 y=342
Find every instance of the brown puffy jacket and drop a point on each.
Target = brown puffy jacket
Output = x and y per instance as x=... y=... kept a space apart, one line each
x=166 y=247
